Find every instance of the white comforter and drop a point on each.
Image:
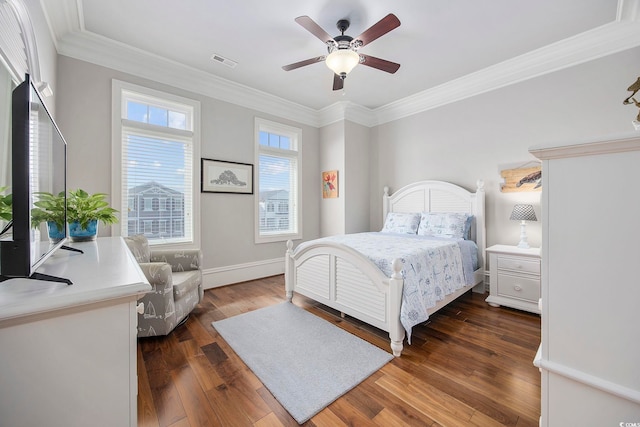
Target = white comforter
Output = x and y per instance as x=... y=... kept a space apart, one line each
x=432 y=267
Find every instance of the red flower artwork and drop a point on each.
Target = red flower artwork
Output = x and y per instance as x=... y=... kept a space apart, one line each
x=330 y=184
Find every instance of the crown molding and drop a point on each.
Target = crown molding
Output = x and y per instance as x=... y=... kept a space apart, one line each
x=599 y=42
x=95 y=49
x=65 y=19
x=346 y=110
x=63 y=16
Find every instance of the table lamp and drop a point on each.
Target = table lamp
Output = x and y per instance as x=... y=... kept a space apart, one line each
x=523 y=213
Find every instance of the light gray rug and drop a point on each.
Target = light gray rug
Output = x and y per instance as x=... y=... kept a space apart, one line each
x=305 y=361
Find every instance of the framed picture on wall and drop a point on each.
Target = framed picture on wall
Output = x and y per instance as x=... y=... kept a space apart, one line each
x=330 y=184
x=219 y=176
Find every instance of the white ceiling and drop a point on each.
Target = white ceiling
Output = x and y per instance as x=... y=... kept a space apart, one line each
x=440 y=44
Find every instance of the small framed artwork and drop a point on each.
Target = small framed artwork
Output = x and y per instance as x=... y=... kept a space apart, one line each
x=219 y=176
x=330 y=184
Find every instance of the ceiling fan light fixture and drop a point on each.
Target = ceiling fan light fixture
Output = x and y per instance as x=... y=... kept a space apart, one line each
x=342 y=61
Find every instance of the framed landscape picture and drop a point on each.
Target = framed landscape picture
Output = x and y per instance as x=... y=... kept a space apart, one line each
x=219 y=176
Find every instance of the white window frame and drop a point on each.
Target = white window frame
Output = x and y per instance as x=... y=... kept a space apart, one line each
x=117 y=107
x=295 y=152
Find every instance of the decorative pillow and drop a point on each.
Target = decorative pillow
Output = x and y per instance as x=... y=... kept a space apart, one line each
x=139 y=247
x=405 y=223
x=444 y=224
x=467 y=227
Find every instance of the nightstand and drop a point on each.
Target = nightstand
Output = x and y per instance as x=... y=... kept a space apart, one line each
x=514 y=277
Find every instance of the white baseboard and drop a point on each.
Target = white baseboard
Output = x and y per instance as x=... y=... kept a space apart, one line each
x=221 y=276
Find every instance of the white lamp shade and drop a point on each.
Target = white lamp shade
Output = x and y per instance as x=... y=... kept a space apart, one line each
x=342 y=61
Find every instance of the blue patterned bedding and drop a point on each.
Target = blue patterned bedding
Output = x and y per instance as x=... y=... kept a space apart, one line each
x=432 y=267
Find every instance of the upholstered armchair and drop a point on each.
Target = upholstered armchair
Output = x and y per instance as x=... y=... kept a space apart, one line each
x=176 y=280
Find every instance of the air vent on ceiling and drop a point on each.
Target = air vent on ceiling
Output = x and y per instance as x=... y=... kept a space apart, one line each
x=226 y=61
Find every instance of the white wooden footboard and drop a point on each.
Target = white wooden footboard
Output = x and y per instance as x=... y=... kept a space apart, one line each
x=341 y=278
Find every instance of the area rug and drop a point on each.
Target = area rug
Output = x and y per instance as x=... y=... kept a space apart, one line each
x=304 y=361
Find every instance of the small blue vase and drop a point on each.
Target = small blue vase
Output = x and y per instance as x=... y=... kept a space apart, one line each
x=55 y=234
x=79 y=234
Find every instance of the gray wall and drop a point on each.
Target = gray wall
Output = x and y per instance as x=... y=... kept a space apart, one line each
x=227 y=220
x=332 y=211
x=478 y=137
x=472 y=139
x=357 y=147
x=345 y=146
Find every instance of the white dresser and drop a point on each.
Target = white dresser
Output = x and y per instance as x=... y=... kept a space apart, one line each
x=514 y=277
x=590 y=344
x=68 y=352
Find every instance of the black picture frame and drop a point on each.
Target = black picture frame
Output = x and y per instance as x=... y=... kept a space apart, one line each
x=221 y=176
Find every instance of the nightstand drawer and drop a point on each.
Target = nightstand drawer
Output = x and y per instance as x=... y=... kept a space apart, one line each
x=519 y=287
x=519 y=264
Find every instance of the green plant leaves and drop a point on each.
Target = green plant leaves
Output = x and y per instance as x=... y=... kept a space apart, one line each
x=81 y=207
x=6 y=205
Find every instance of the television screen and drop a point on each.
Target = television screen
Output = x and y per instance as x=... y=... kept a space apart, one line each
x=38 y=165
x=46 y=172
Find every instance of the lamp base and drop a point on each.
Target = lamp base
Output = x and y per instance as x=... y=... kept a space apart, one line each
x=524 y=244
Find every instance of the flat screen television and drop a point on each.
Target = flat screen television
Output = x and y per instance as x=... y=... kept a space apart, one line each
x=38 y=164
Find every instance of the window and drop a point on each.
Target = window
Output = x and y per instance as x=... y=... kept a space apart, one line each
x=156 y=144
x=278 y=158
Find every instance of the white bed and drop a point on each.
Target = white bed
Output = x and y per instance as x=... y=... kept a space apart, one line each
x=345 y=280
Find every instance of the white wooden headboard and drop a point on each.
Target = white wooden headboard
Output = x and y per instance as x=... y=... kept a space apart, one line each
x=440 y=196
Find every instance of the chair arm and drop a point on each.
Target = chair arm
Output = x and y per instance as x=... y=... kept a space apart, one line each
x=158 y=274
x=180 y=260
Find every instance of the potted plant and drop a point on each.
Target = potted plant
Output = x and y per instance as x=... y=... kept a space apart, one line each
x=50 y=209
x=83 y=213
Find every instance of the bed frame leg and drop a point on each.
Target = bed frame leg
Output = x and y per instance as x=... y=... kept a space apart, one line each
x=396 y=330
x=288 y=272
x=396 y=348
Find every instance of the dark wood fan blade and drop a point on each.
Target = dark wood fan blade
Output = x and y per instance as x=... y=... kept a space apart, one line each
x=379 y=29
x=303 y=63
x=315 y=29
x=338 y=83
x=380 y=64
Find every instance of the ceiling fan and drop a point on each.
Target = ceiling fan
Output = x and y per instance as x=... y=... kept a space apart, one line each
x=343 y=50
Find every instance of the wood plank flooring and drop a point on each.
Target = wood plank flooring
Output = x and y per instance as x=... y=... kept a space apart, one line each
x=470 y=364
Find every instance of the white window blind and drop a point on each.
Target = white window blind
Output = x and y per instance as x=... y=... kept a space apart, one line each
x=155 y=167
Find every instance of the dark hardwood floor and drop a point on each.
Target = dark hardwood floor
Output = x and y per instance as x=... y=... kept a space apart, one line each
x=470 y=364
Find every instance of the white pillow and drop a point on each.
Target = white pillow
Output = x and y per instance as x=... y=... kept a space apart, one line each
x=404 y=223
x=444 y=224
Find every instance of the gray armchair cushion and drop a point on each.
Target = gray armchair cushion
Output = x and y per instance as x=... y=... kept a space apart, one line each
x=181 y=260
x=185 y=282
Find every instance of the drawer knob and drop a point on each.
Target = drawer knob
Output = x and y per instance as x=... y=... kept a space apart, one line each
x=517 y=287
